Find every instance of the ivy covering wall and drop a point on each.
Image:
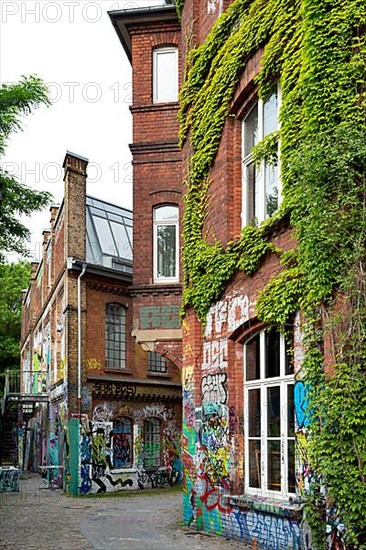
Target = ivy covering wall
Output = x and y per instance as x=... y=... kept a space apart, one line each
x=316 y=49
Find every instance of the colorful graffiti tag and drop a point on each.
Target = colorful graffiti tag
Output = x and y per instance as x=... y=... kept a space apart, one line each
x=9 y=480
x=114 y=455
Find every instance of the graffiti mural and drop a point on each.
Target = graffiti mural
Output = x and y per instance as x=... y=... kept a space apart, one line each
x=113 y=449
x=301 y=404
x=9 y=480
x=212 y=453
x=214 y=388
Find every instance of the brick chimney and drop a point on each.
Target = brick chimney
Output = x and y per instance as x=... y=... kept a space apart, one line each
x=75 y=209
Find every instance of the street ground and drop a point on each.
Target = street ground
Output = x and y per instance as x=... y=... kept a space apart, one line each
x=45 y=519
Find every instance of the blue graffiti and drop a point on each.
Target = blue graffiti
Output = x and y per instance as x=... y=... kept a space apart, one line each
x=301 y=404
x=269 y=531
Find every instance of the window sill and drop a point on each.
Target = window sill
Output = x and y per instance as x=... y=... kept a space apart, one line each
x=276 y=507
x=166 y=281
x=153 y=374
x=124 y=471
x=119 y=371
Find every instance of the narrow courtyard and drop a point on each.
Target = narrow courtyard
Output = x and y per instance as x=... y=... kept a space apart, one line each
x=38 y=518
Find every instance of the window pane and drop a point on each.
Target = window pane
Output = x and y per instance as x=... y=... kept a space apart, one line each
x=291 y=480
x=251 y=130
x=252 y=198
x=166 y=75
x=104 y=235
x=273 y=412
x=270 y=113
x=255 y=463
x=166 y=213
x=252 y=358
x=271 y=180
x=166 y=261
x=290 y=411
x=272 y=353
x=122 y=443
x=115 y=336
x=156 y=362
x=152 y=443
x=289 y=358
x=254 y=413
x=274 y=466
x=122 y=241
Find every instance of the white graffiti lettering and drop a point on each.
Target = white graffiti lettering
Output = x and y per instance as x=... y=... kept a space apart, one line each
x=214 y=388
x=215 y=354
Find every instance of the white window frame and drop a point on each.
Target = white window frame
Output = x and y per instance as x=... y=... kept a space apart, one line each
x=248 y=160
x=283 y=381
x=156 y=53
x=175 y=223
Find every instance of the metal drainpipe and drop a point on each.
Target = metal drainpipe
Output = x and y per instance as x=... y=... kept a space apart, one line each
x=79 y=335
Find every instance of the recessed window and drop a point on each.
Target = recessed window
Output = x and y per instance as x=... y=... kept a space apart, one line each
x=122 y=443
x=165 y=75
x=261 y=185
x=269 y=415
x=115 y=336
x=166 y=244
x=152 y=443
x=157 y=363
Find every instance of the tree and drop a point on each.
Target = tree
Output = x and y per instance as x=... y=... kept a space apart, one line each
x=17 y=199
x=13 y=279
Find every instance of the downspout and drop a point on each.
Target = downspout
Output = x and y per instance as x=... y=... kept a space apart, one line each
x=79 y=336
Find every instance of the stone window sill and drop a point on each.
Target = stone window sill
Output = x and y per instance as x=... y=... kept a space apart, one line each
x=119 y=371
x=277 y=507
x=152 y=374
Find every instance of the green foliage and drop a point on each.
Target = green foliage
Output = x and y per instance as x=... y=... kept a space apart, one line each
x=267 y=149
x=17 y=199
x=179 y=4
x=211 y=266
x=317 y=50
x=282 y=297
x=13 y=279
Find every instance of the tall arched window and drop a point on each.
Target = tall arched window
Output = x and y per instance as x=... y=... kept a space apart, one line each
x=269 y=415
x=165 y=75
x=115 y=336
x=166 y=243
x=152 y=442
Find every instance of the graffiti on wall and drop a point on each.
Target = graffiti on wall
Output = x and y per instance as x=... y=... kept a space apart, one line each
x=213 y=449
x=214 y=388
x=267 y=530
x=215 y=354
x=301 y=405
x=113 y=452
x=228 y=314
x=9 y=480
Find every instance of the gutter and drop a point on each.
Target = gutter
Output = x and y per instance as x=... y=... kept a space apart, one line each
x=79 y=335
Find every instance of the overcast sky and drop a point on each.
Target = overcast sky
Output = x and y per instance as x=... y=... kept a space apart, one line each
x=73 y=47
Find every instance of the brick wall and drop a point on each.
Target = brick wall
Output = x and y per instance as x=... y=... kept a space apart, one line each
x=157 y=180
x=213 y=355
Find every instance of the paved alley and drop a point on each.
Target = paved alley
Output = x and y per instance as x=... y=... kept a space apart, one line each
x=44 y=519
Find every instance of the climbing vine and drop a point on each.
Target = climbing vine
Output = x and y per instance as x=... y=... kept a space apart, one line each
x=316 y=49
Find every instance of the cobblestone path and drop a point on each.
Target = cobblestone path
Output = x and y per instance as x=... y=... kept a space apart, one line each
x=44 y=519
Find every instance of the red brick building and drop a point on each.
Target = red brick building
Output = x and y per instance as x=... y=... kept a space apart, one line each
x=112 y=414
x=151 y=40
x=238 y=482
